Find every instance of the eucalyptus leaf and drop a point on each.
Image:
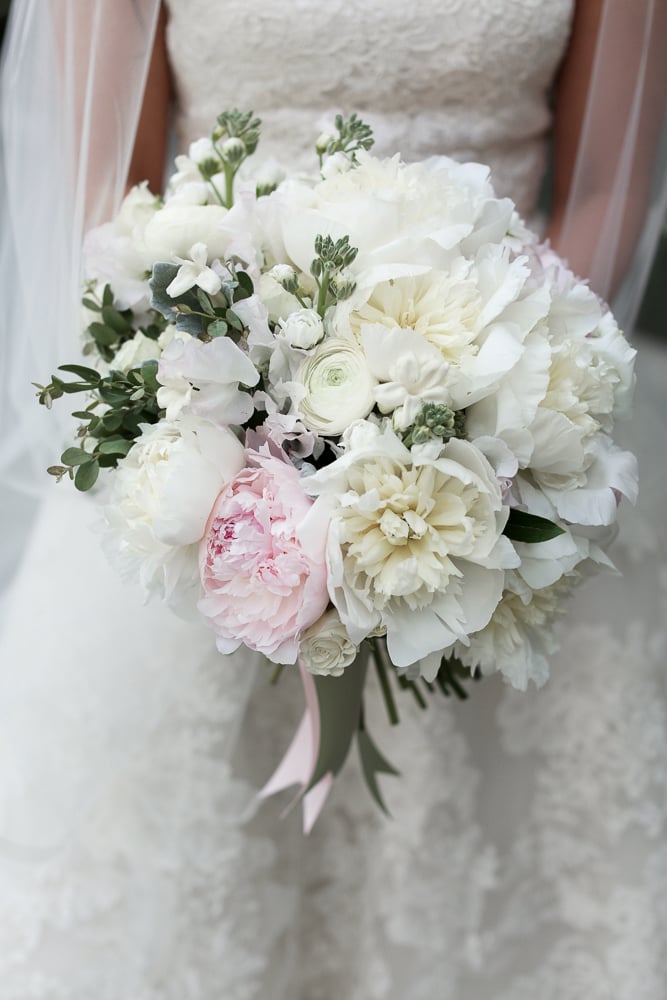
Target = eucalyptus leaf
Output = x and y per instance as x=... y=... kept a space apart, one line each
x=75 y=456
x=107 y=296
x=86 y=476
x=86 y=373
x=102 y=334
x=115 y=446
x=524 y=527
x=217 y=329
x=91 y=304
x=115 y=320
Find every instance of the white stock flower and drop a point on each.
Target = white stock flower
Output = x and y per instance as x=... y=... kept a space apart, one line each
x=326 y=648
x=338 y=386
x=414 y=541
x=302 y=328
x=194 y=271
x=162 y=494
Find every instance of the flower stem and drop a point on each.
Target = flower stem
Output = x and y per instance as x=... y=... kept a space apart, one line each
x=217 y=192
x=324 y=288
x=379 y=654
x=412 y=687
x=275 y=676
x=229 y=185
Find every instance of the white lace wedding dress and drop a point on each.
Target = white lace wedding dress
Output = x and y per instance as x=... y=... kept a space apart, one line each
x=527 y=854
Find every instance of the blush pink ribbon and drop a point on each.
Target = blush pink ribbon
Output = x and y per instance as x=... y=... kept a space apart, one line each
x=298 y=765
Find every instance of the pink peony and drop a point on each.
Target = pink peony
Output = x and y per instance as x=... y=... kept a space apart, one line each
x=262 y=562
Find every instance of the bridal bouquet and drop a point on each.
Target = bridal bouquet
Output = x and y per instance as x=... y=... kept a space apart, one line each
x=358 y=420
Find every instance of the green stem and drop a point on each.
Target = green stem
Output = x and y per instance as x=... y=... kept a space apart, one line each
x=275 y=676
x=381 y=669
x=414 y=690
x=324 y=288
x=217 y=192
x=230 y=173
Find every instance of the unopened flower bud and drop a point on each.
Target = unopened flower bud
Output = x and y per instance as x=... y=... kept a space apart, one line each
x=342 y=285
x=285 y=276
x=233 y=149
x=322 y=143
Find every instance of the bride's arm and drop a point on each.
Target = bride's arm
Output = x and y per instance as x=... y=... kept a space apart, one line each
x=613 y=59
x=150 y=147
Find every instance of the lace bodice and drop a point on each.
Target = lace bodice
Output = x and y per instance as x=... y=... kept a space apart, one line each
x=467 y=79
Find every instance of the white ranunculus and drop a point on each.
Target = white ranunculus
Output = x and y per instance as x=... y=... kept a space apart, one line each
x=326 y=648
x=176 y=228
x=215 y=371
x=338 y=387
x=162 y=495
x=302 y=328
x=414 y=541
x=133 y=352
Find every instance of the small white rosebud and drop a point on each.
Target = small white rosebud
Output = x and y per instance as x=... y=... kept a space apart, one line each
x=326 y=648
x=303 y=328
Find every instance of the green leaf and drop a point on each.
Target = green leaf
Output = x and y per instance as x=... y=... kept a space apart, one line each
x=86 y=476
x=372 y=764
x=245 y=288
x=217 y=329
x=91 y=304
x=115 y=320
x=205 y=302
x=115 y=446
x=102 y=334
x=234 y=321
x=75 y=456
x=339 y=700
x=89 y=374
x=107 y=296
x=524 y=527
x=112 y=420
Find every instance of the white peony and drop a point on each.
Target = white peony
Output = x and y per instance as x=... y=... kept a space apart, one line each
x=338 y=387
x=176 y=228
x=414 y=541
x=161 y=498
x=326 y=648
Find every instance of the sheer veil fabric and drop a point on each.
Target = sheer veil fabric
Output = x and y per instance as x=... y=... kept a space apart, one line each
x=525 y=858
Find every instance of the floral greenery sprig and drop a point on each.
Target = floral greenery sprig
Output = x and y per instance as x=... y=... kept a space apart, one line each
x=113 y=326
x=328 y=268
x=128 y=400
x=234 y=139
x=197 y=312
x=353 y=135
x=434 y=420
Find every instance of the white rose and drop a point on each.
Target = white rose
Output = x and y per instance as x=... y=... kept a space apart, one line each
x=338 y=387
x=161 y=498
x=303 y=328
x=135 y=351
x=326 y=648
